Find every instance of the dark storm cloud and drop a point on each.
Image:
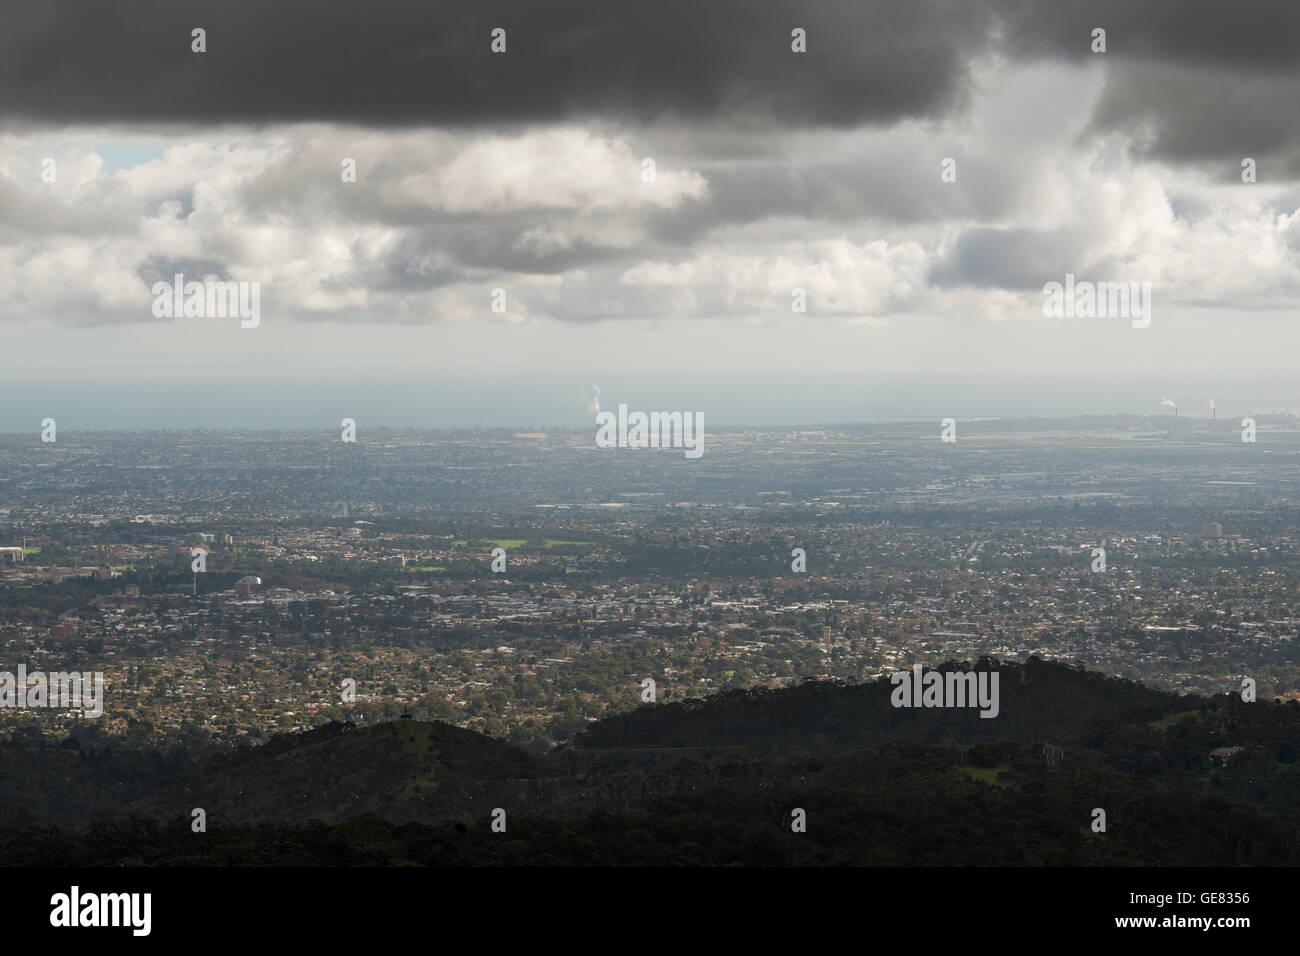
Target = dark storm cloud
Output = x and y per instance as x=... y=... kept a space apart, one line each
x=1203 y=81
x=1243 y=34
x=390 y=63
x=1184 y=113
x=1176 y=66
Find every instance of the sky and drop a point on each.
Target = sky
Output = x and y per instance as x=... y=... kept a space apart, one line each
x=526 y=171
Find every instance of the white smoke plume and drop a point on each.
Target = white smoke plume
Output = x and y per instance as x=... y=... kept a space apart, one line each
x=594 y=407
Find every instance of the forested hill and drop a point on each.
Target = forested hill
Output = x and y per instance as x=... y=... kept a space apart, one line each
x=1185 y=780
x=1037 y=701
x=403 y=770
